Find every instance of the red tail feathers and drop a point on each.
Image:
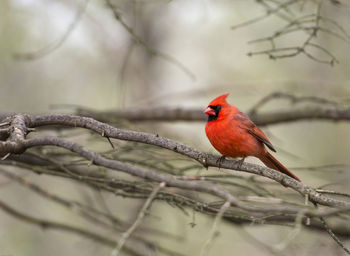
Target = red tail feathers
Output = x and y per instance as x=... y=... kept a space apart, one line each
x=270 y=161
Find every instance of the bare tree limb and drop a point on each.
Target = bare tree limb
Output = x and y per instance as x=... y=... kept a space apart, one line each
x=204 y=159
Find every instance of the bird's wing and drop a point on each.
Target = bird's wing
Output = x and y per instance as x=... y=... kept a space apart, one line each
x=252 y=129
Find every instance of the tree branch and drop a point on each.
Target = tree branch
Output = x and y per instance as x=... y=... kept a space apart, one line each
x=205 y=159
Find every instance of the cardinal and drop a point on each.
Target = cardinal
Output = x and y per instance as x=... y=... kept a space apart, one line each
x=233 y=134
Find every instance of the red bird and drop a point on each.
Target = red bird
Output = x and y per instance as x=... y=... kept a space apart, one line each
x=233 y=134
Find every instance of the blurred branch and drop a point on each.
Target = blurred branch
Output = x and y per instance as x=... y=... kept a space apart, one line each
x=104 y=220
x=321 y=108
x=166 y=114
x=293 y=100
x=331 y=233
x=214 y=229
x=46 y=224
x=318 y=109
x=255 y=241
x=137 y=39
x=335 y=238
x=310 y=24
x=292 y=235
x=120 y=188
x=58 y=43
x=125 y=236
x=266 y=15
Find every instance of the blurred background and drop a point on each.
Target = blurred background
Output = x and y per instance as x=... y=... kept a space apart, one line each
x=57 y=55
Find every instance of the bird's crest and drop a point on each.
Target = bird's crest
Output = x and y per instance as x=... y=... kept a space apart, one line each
x=219 y=100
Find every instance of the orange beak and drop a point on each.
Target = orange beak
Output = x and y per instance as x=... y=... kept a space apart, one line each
x=209 y=111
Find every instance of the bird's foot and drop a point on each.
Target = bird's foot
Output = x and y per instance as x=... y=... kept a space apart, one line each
x=220 y=161
x=240 y=162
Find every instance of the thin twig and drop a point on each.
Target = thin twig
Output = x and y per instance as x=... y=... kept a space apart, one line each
x=151 y=51
x=5 y=156
x=266 y=15
x=291 y=235
x=141 y=215
x=331 y=233
x=335 y=238
x=310 y=24
x=331 y=192
x=214 y=230
x=4 y=124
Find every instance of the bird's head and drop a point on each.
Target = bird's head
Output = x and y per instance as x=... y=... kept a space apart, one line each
x=217 y=108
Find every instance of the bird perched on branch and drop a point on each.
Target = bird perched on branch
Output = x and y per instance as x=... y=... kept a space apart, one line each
x=233 y=134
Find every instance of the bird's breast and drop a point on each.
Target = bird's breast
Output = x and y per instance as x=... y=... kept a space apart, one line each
x=232 y=140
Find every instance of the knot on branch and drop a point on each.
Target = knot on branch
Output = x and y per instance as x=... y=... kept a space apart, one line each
x=12 y=147
x=18 y=129
x=13 y=135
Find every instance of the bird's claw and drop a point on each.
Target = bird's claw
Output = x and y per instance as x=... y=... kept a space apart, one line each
x=220 y=161
x=240 y=162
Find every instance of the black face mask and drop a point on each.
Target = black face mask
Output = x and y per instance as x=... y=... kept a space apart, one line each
x=217 y=111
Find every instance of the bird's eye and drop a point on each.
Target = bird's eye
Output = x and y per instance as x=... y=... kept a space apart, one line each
x=215 y=108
